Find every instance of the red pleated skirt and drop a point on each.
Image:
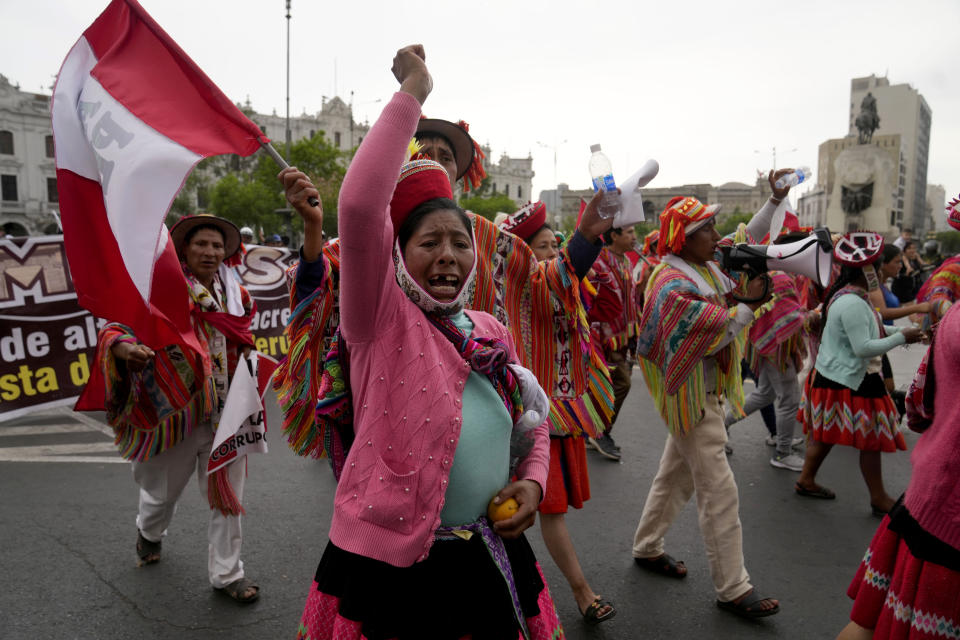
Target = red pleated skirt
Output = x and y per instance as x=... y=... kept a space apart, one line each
x=568 y=482
x=902 y=597
x=864 y=418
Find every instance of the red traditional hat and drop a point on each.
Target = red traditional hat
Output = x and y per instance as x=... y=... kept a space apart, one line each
x=649 y=240
x=681 y=216
x=953 y=213
x=527 y=220
x=419 y=181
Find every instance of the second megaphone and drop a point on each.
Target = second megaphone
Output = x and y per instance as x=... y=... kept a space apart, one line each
x=811 y=257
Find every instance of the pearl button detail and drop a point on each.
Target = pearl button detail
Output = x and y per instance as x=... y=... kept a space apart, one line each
x=369 y=506
x=428 y=420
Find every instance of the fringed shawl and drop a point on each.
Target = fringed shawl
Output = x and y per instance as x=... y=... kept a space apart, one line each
x=523 y=294
x=942 y=288
x=679 y=327
x=777 y=332
x=614 y=273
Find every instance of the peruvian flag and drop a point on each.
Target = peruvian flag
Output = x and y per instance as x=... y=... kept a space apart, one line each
x=132 y=115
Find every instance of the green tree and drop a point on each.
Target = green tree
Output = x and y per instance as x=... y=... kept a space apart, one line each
x=949 y=242
x=489 y=206
x=729 y=224
x=246 y=202
x=248 y=193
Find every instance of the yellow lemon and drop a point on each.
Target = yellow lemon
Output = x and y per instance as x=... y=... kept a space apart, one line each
x=502 y=511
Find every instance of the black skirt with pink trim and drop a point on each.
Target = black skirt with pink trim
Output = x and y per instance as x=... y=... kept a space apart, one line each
x=457 y=592
x=908 y=584
x=864 y=418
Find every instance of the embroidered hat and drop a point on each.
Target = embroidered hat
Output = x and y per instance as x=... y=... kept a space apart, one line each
x=650 y=240
x=526 y=221
x=466 y=151
x=182 y=228
x=419 y=181
x=682 y=216
x=953 y=213
x=858 y=248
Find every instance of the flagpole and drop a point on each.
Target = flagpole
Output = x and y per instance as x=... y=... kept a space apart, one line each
x=273 y=153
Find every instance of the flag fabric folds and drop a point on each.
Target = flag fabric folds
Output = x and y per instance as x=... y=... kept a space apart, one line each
x=132 y=115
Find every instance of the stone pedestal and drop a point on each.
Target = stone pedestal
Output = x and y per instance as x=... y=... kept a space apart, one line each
x=863 y=190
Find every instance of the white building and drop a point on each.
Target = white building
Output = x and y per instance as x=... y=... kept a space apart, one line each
x=335 y=119
x=936 y=206
x=28 y=175
x=812 y=207
x=512 y=176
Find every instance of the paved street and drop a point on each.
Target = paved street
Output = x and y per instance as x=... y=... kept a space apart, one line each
x=67 y=532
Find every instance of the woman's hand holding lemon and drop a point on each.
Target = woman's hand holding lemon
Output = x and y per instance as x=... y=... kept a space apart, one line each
x=517 y=504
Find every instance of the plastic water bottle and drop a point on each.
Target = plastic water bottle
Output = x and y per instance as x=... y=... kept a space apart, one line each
x=602 y=175
x=793 y=179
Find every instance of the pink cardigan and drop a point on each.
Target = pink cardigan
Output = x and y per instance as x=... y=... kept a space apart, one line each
x=933 y=495
x=407 y=380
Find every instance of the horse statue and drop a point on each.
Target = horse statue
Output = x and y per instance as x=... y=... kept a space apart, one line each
x=868 y=121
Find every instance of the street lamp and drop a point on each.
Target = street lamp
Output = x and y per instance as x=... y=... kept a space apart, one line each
x=288 y=81
x=774 y=153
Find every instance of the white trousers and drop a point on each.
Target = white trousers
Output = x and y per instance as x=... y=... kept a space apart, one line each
x=162 y=480
x=696 y=462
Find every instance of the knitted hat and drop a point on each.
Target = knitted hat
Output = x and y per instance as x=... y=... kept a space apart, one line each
x=953 y=213
x=527 y=220
x=419 y=181
x=681 y=217
x=467 y=152
x=231 y=235
x=649 y=240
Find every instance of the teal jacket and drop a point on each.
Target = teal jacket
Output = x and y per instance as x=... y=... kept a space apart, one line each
x=850 y=338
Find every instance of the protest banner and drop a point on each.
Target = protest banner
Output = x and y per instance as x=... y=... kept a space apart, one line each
x=47 y=341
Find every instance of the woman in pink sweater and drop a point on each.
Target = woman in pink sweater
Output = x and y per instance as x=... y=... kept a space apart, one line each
x=443 y=416
x=908 y=585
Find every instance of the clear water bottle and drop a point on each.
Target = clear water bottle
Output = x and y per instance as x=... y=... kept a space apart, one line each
x=602 y=175
x=799 y=175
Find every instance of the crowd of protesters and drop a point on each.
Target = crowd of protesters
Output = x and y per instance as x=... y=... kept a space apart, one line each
x=456 y=371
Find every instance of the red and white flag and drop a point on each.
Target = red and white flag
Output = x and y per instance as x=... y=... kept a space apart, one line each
x=243 y=424
x=132 y=115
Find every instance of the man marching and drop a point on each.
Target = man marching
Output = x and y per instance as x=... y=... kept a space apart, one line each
x=165 y=406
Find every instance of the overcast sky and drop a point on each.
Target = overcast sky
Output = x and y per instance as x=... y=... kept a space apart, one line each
x=707 y=88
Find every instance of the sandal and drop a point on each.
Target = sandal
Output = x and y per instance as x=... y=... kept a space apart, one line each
x=746 y=607
x=820 y=492
x=237 y=588
x=147 y=552
x=664 y=564
x=593 y=616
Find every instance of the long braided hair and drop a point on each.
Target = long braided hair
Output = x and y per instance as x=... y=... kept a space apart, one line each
x=846 y=276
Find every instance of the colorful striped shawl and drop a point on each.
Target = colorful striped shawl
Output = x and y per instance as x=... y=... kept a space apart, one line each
x=942 y=288
x=776 y=334
x=678 y=328
x=614 y=272
x=155 y=409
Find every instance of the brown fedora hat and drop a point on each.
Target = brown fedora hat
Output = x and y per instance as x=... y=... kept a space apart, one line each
x=455 y=134
x=183 y=227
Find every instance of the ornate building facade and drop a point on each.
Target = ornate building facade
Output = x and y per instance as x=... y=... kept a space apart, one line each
x=28 y=175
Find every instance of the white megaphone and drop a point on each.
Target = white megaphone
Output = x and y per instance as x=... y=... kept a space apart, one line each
x=811 y=257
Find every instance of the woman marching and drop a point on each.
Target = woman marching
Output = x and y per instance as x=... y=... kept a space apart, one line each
x=443 y=416
x=572 y=417
x=845 y=400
